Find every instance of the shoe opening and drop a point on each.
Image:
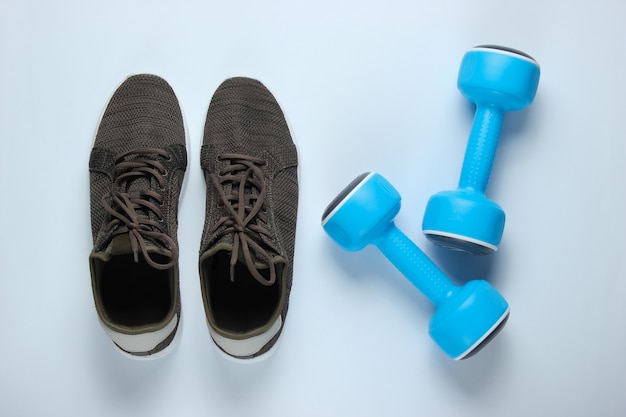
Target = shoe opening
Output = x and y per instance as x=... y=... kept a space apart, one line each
x=239 y=304
x=134 y=293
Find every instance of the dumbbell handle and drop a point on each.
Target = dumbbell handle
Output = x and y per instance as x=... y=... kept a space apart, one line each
x=481 y=148
x=415 y=265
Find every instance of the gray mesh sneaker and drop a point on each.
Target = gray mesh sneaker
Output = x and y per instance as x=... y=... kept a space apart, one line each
x=246 y=253
x=137 y=166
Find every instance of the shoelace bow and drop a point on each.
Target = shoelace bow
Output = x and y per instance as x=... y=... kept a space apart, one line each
x=130 y=210
x=245 y=207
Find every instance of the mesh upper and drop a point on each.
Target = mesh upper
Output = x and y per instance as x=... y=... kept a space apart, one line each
x=245 y=118
x=142 y=113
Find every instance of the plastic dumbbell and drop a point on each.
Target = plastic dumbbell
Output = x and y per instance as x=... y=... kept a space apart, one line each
x=497 y=80
x=466 y=317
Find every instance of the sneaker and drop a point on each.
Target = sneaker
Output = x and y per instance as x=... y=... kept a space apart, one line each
x=246 y=253
x=136 y=168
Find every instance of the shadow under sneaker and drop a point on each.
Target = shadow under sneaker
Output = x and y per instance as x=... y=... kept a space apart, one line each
x=246 y=253
x=137 y=166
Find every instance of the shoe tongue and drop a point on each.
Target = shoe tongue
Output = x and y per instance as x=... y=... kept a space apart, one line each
x=226 y=244
x=120 y=245
x=135 y=185
x=259 y=263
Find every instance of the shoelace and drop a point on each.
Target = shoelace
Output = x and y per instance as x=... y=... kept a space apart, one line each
x=130 y=209
x=245 y=207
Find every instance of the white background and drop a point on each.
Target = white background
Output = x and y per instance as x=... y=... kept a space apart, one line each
x=366 y=86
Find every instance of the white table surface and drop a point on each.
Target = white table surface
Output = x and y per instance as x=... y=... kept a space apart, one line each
x=365 y=87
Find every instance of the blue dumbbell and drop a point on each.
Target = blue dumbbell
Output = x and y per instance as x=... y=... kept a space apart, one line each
x=497 y=80
x=467 y=317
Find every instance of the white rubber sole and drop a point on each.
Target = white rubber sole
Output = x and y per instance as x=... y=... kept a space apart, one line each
x=160 y=354
x=221 y=345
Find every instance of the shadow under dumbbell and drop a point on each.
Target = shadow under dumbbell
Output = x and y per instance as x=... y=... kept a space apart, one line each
x=462 y=266
x=483 y=372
